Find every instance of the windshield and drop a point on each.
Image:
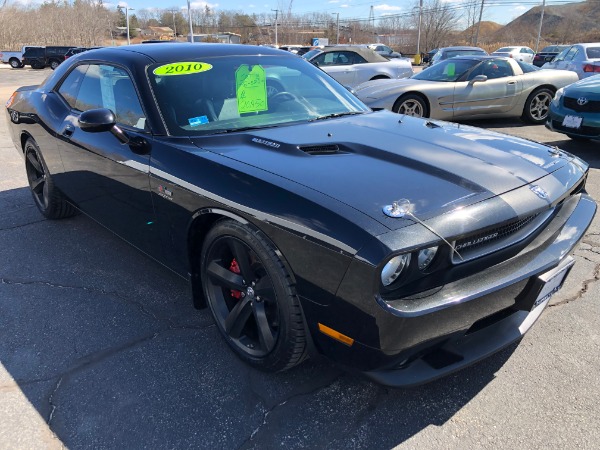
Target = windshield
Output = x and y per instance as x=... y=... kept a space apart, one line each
x=506 y=49
x=449 y=70
x=227 y=94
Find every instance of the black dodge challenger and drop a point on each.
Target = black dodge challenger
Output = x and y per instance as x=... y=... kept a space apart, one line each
x=399 y=247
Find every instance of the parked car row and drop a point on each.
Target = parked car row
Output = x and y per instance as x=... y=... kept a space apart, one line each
x=39 y=57
x=306 y=222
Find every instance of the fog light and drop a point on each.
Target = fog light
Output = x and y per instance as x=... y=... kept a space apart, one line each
x=425 y=257
x=394 y=267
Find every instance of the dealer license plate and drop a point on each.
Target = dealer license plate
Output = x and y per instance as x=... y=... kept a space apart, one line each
x=553 y=281
x=572 y=121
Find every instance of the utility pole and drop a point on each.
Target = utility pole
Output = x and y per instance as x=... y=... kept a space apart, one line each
x=537 y=43
x=276 y=16
x=190 y=19
x=173 y=11
x=337 y=36
x=479 y=23
x=127 y=9
x=419 y=30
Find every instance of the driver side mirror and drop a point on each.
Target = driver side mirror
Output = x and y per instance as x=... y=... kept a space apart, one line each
x=315 y=63
x=478 y=79
x=103 y=119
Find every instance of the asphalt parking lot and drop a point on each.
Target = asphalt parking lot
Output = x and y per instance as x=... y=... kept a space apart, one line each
x=100 y=347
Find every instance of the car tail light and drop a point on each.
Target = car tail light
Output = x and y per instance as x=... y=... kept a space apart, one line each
x=510 y=55
x=536 y=57
x=591 y=68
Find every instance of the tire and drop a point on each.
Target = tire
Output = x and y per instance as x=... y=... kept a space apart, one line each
x=15 y=63
x=252 y=297
x=411 y=105
x=537 y=106
x=54 y=64
x=578 y=138
x=47 y=197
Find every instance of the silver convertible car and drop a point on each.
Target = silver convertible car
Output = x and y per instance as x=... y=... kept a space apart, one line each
x=470 y=87
x=352 y=65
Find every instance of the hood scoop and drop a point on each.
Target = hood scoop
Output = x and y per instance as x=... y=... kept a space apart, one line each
x=325 y=149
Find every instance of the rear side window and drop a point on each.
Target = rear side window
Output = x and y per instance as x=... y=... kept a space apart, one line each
x=70 y=86
x=593 y=52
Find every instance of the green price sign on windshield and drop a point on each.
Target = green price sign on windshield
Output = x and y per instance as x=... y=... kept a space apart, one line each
x=251 y=89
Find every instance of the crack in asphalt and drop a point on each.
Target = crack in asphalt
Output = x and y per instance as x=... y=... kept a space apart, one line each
x=97 y=358
x=23 y=225
x=585 y=285
x=50 y=401
x=283 y=403
x=140 y=306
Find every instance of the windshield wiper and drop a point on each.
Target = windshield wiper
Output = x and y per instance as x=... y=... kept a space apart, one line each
x=234 y=130
x=331 y=116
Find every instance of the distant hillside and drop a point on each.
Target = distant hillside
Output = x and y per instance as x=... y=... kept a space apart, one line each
x=564 y=24
x=486 y=32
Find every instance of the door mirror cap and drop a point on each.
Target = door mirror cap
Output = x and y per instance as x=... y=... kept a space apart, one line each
x=97 y=120
x=477 y=79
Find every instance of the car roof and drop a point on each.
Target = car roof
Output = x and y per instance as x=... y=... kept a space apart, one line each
x=459 y=47
x=180 y=50
x=478 y=58
x=363 y=50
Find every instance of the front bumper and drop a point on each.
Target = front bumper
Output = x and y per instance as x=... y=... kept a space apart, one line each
x=589 y=129
x=463 y=322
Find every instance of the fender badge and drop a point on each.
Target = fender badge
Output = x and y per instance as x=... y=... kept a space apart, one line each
x=539 y=191
x=164 y=192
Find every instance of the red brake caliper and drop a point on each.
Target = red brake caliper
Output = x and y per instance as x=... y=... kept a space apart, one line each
x=235 y=269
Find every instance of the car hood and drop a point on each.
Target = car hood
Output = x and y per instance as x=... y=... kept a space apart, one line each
x=379 y=88
x=590 y=86
x=371 y=160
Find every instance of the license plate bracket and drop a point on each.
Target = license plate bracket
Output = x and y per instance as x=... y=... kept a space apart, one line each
x=541 y=288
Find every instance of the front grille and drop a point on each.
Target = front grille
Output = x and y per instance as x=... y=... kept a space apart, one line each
x=494 y=239
x=590 y=106
x=581 y=131
x=328 y=149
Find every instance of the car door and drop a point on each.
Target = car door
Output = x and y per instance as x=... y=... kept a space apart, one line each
x=497 y=95
x=339 y=65
x=107 y=179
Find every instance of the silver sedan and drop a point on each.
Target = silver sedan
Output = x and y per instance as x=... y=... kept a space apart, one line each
x=470 y=87
x=351 y=65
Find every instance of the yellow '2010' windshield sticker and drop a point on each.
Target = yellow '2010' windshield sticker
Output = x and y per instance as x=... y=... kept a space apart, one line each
x=181 y=68
x=251 y=89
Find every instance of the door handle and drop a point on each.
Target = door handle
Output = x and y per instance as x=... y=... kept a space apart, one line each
x=68 y=131
x=512 y=82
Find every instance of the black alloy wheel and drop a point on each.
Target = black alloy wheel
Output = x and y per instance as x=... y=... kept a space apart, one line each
x=54 y=64
x=252 y=297
x=47 y=197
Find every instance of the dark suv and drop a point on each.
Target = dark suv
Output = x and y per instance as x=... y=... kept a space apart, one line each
x=40 y=57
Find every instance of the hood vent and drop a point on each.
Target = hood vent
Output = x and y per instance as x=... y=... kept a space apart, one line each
x=328 y=149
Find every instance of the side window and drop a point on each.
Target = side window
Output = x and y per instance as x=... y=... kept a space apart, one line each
x=354 y=58
x=111 y=87
x=497 y=68
x=70 y=86
x=571 y=54
x=561 y=55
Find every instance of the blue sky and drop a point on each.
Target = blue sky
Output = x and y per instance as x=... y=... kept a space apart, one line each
x=346 y=8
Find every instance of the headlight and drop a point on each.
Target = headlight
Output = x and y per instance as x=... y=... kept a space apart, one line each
x=425 y=257
x=558 y=96
x=394 y=267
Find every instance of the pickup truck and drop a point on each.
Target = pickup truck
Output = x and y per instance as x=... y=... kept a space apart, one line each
x=15 y=59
